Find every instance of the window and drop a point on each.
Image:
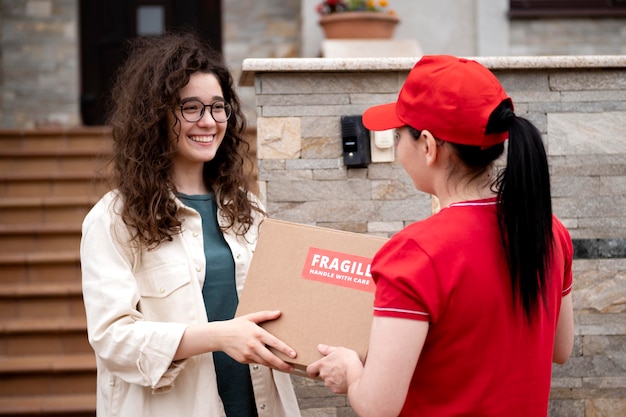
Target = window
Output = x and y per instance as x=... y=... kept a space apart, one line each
x=150 y=20
x=524 y=9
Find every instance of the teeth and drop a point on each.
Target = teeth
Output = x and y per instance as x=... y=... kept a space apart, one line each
x=203 y=139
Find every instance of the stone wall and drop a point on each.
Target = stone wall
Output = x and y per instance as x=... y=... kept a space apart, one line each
x=578 y=103
x=39 y=74
x=600 y=36
x=258 y=29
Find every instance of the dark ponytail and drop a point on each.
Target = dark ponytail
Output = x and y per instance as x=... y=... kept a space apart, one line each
x=525 y=209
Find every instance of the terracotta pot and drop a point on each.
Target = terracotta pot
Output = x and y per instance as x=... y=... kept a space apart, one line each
x=358 y=25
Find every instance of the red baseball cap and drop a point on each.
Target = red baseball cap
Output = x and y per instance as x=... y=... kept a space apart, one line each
x=449 y=96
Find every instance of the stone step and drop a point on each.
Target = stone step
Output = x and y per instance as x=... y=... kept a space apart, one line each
x=30 y=176
x=40 y=290
x=45 y=210
x=43 y=325
x=20 y=185
x=40 y=267
x=23 y=300
x=40 y=237
x=47 y=363
x=28 y=162
x=72 y=405
x=44 y=336
x=48 y=383
x=36 y=300
x=91 y=139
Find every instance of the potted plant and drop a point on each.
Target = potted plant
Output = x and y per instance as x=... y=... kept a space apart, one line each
x=357 y=19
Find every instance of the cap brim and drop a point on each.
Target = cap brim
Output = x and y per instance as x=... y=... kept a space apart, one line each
x=382 y=117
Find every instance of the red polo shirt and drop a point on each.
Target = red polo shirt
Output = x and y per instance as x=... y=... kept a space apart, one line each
x=480 y=357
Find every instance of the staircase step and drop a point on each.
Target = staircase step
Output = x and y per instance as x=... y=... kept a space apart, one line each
x=43 y=229
x=45 y=257
x=40 y=290
x=48 y=383
x=44 y=336
x=56 y=139
x=34 y=300
x=64 y=405
x=24 y=163
x=42 y=237
x=53 y=153
x=40 y=267
x=45 y=210
x=47 y=363
x=43 y=175
x=43 y=325
x=62 y=307
x=66 y=185
x=24 y=301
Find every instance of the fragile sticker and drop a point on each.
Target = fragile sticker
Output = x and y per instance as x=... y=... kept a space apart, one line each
x=338 y=268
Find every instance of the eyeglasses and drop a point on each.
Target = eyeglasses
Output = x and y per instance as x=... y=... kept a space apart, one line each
x=193 y=110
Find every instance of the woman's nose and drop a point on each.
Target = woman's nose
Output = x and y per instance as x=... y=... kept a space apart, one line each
x=206 y=118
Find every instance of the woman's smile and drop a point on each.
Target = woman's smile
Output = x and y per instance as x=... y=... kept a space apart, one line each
x=203 y=139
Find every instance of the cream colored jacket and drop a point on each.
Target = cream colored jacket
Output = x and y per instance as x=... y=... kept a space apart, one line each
x=138 y=305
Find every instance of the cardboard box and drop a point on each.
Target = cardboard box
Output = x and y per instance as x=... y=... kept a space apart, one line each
x=320 y=279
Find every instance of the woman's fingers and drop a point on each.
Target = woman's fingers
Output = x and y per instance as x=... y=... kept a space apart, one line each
x=314 y=368
x=256 y=349
x=279 y=345
x=268 y=358
x=261 y=316
x=269 y=339
x=333 y=367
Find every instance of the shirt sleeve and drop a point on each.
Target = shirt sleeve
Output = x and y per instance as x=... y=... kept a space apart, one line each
x=138 y=351
x=406 y=282
x=563 y=236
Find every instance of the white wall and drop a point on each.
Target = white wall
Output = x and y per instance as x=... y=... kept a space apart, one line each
x=456 y=27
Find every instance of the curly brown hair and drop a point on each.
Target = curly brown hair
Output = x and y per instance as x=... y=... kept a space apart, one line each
x=145 y=92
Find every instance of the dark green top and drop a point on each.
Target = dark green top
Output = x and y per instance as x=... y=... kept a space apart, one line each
x=220 y=300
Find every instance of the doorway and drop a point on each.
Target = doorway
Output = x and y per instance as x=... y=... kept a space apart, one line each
x=106 y=25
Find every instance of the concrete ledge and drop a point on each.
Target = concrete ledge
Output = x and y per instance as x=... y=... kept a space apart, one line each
x=251 y=66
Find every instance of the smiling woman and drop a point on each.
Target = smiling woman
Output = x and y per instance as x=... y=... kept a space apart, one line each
x=180 y=206
x=199 y=133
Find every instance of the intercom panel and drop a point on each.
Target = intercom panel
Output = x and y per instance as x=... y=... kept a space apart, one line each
x=355 y=141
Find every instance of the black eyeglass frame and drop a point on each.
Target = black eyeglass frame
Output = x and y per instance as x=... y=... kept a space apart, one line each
x=228 y=110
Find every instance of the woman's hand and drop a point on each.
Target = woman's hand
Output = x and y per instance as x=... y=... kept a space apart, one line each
x=247 y=342
x=240 y=338
x=378 y=388
x=338 y=365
